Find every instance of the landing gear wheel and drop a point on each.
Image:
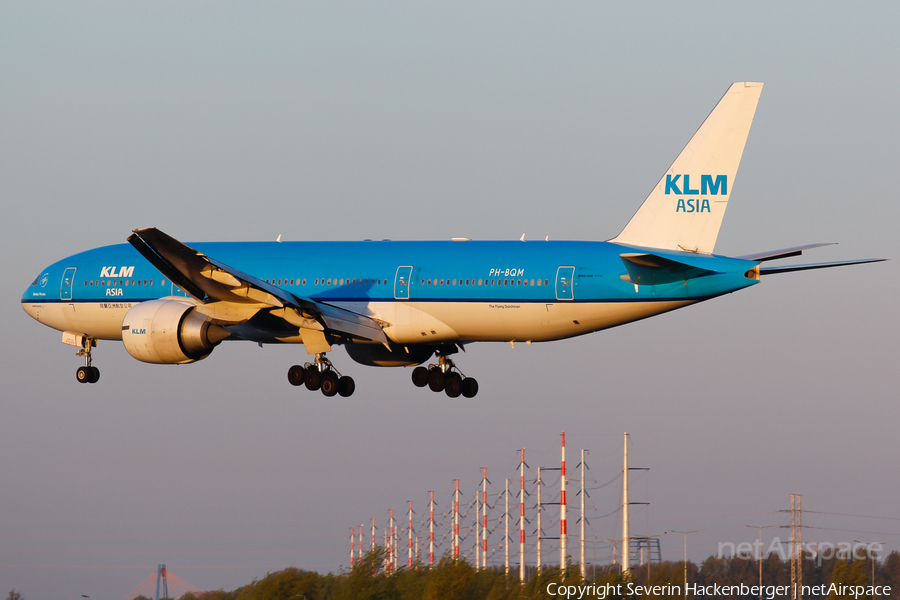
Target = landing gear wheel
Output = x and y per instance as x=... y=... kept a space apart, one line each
x=346 y=386
x=469 y=387
x=95 y=375
x=329 y=384
x=452 y=385
x=296 y=375
x=436 y=380
x=313 y=380
x=83 y=374
x=420 y=377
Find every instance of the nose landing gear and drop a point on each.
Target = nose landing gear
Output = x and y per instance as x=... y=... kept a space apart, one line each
x=445 y=377
x=87 y=373
x=321 y=375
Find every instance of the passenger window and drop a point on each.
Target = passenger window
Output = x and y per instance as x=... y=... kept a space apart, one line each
x=546 y=282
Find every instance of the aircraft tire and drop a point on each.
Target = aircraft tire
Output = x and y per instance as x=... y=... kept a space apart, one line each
x=313 y=380
x=420 y=377
x=329 y=384
x=453 y=385
x=436 y=380
x=95 y=375
x=346 y=386
x=469 y=387
x=83 y=375
x=296 y=375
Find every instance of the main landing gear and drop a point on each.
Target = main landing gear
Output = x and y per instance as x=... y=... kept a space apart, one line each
x=87 y=373
x=445 y=377
x=321 y=375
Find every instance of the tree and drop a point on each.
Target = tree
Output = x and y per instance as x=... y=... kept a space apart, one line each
x=14 y=595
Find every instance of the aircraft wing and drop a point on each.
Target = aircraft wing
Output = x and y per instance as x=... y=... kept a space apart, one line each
x=652 y=269
x=229 y=296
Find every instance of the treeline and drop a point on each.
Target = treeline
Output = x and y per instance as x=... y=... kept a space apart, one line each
x=457 y=580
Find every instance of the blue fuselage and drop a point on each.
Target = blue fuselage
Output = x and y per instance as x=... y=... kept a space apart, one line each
x=480 y=290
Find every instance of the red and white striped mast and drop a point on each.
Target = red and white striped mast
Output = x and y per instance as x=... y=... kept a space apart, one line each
x=352 y=546
x=456 y=522
x=477 y=530
x=583 y=560
x=393 y=549
x=540 y=532
x=522 y=517
x=360 y=542
x=484 y=508
x=506 y=530
x=563 y=537
x=431 y=529
x=409 y=559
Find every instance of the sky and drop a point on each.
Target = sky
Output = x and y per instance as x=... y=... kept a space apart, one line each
x=411 y=120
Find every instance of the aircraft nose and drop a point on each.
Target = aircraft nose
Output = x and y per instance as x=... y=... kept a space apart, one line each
x=35 y=293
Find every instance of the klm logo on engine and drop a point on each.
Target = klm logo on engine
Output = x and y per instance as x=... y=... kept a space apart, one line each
x=680 y=185
x=138 y=332
x=122 y=272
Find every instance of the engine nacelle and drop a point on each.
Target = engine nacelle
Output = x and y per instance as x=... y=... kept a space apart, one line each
x=376 y=355
x=167 y=332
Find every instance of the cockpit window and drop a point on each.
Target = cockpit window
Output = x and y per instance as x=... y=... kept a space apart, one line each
x=36 y=279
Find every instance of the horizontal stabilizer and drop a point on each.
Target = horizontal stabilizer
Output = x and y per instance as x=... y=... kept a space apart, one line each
x=783 y=253
x=651 y=269
x=825 y=265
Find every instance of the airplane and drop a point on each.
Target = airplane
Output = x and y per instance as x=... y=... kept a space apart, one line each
x=400 y=303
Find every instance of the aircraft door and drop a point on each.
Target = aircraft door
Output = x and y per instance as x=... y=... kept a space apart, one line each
x=65 y=288
x=401 y=283
x=565 y=289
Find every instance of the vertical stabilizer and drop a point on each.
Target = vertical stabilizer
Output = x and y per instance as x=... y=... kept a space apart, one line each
x=685 y=209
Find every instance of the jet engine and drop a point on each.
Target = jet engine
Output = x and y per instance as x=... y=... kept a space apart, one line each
x=376 y=355
x=167 y=332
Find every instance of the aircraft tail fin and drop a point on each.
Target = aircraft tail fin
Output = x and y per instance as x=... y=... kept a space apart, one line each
x=685 y=209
